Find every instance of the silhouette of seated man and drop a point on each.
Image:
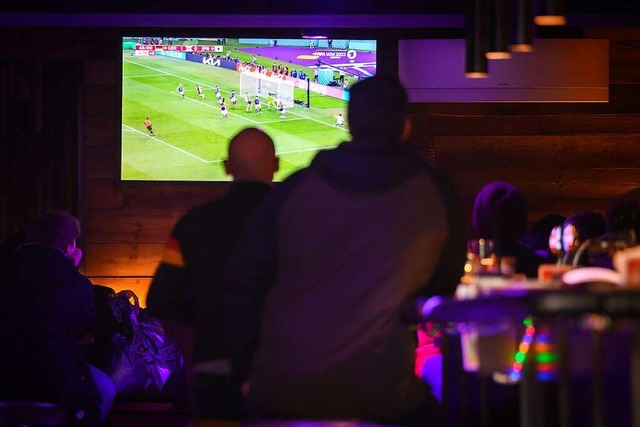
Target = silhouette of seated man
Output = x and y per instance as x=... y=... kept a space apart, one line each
x=46 y=308
x=500 y=214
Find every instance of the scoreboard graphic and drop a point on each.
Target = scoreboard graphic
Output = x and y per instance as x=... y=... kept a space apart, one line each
x=179 y=48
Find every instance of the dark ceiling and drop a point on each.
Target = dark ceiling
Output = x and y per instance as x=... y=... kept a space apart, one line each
x=289 y=6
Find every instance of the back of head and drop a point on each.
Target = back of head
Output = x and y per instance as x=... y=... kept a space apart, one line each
x=377 y=106
x=54 y=228
x=544 y=225
x=623 y=213
x=537 y=238
x=588 y=224
x=252 y=156
x=500 y=212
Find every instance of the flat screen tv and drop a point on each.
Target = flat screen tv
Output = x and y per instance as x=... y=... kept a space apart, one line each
x=178 y=111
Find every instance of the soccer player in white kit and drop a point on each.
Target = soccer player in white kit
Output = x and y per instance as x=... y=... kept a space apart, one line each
x=223 y=109
x=199 y=91
x=233 y=99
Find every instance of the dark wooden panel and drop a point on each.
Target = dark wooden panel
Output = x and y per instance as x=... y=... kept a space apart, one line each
x=537 y=208
x=101 y=101
x=623 y=98
x=613 y=33
x=529 y=125
x=58 y=43
x=122 y=259
x=541 y=207
x=626 y=73
x=624 y=62
x=101 y=131
x=552 y=152
x=170 y=196
x=508 y=109
x=102 y=193
x=590 y=123
x=101 y=72
x=421 y=133
x=139 y=285
x=542 y=183
x=483 y=125
x=101 y=162
x=130 y=225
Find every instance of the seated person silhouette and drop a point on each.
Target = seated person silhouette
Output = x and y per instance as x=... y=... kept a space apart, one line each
x=500 y=214
x=576 y=230
x=537 y=238
x=46 y=308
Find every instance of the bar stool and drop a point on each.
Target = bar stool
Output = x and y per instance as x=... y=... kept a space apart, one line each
x=28 y=414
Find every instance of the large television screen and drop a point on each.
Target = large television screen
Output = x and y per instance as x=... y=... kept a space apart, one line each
x=183 y=99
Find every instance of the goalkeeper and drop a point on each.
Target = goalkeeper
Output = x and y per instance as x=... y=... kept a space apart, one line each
x=271 y=101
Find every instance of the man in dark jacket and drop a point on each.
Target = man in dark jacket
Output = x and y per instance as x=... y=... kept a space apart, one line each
x=317 y=281
x=185 y=292
x=46 y=308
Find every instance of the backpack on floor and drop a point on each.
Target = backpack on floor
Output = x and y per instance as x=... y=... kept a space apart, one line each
x=144 y=358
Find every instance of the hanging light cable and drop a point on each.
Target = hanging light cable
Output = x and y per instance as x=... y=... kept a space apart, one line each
x=551 y=13
x=476 y=60
x=498 y=30
x=522 y=34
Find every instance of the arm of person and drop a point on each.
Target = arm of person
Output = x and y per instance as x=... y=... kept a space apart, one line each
x=170 y=298
x=84 y=308
x=170 y=295
x=450 y=266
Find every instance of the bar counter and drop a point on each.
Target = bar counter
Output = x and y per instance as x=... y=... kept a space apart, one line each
x=593 y=333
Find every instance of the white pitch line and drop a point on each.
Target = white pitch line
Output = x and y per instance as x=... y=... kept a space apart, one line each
x=281 y=121
x=305 y=149
x=169 y=145
x=211 y=87
x=144 y=75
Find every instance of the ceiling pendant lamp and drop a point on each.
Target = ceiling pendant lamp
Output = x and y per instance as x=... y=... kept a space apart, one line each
x=522 y=35
x=498 y=30
x=476 y=61
x=551 y=13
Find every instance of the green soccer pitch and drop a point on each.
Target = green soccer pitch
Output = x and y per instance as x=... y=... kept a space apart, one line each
x=191 y=137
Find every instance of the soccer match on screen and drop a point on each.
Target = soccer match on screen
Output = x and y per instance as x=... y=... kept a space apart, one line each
x=183 y=99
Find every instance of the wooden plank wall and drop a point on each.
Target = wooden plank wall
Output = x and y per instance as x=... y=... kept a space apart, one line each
x=125 y=224
x=564 y=157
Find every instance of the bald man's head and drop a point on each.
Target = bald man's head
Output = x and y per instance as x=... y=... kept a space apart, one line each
x=252 y=156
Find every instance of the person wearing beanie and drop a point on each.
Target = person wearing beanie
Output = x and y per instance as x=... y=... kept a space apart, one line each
x=577 y=229
x=623 y=214
x=317 y=283
x=500 y=214
x=537 y=238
